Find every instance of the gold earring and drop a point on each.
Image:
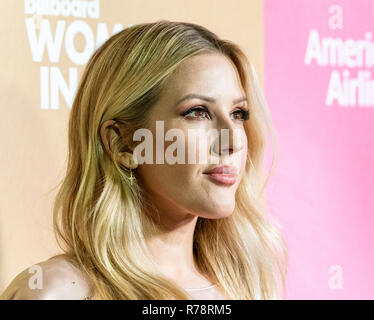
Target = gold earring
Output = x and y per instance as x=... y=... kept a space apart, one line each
x=131 y=178
x=131 y=163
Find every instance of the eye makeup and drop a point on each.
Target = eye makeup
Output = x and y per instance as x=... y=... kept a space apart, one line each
x=242 y=111
x=197 y=109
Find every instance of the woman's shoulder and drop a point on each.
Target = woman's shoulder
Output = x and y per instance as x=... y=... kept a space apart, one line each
x=57 y=278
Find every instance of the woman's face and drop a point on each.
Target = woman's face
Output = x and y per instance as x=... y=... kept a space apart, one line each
x=179 y=189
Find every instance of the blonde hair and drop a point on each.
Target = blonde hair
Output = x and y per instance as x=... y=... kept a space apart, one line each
x=99 y=216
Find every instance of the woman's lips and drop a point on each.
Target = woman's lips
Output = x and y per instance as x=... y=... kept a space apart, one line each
x=222 y=178
x=223 y=175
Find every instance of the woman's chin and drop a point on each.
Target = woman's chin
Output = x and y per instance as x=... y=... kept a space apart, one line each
x=218 y=213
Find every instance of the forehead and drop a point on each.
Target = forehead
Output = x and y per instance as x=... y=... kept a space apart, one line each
x=209 y=74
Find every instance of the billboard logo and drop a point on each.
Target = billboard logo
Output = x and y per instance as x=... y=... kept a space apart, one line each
x=74 y=8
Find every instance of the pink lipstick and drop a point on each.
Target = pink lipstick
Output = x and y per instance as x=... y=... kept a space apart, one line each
x=224 y=175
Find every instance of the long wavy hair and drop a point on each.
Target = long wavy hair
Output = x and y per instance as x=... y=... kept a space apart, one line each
x=100 y=218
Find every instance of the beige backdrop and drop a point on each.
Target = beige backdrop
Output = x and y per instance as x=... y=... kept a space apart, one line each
x=34 y=139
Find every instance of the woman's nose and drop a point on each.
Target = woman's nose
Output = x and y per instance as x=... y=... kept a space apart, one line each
x=228 y=140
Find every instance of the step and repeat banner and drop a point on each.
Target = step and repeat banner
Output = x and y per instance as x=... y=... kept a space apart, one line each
x=319 y=59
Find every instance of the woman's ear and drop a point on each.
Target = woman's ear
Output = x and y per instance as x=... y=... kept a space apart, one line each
x=107 y=135
x=108 y=132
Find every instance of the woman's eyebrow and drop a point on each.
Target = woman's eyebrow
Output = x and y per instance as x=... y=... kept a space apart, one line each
x=208 y=99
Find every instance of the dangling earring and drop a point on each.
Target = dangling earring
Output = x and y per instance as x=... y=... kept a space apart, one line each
x=131 y=178
x=130 y=163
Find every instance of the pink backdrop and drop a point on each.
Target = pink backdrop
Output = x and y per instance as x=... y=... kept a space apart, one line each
x=323 y=190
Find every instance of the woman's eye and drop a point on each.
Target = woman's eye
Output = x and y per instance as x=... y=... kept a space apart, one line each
x=199 y=112
x=242 y=115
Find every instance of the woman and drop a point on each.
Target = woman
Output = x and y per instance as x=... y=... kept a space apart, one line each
x=159 y=229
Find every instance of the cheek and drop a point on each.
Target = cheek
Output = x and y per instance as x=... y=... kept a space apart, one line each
x=168 y=173
x=165 y=181
x=163 y=176
x=245 y=151
x=244 y=161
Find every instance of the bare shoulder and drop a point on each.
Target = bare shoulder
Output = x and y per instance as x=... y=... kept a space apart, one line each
x=57 y=278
